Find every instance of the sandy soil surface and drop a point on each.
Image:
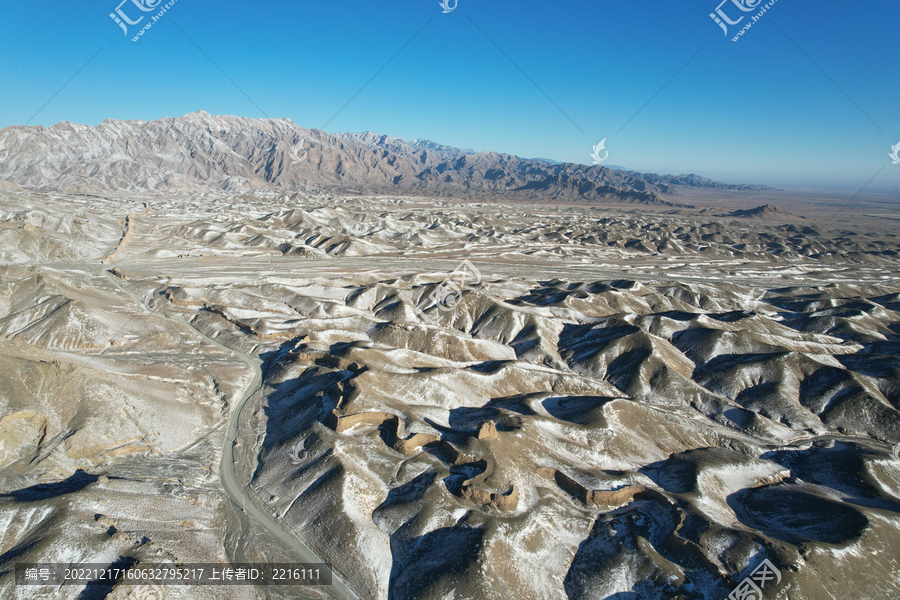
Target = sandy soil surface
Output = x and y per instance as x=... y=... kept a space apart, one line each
x=452 y=400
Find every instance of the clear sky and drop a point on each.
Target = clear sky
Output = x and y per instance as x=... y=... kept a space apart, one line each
x=535 y=79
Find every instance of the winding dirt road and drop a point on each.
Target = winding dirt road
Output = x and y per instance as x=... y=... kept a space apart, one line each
x=235 y=491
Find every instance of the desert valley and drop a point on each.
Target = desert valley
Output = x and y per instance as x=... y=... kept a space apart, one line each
x=445 y=374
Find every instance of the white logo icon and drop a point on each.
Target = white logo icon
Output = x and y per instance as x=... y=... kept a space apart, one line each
x=299 y=151
x=895 y=154
x=596 y=153
x=447 y=295
x=744 y=5
x=144 y=5
x=146 y=592
x=445 y=4
x=298 y=453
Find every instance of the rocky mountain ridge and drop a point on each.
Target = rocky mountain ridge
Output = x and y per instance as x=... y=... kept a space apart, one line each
x=765 y=211
x=202 y=152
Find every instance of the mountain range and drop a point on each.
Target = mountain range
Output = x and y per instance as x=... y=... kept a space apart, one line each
x=203 y=152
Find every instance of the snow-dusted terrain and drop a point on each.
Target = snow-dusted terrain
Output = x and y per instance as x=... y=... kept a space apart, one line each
x=203 y=152
x=616 y=405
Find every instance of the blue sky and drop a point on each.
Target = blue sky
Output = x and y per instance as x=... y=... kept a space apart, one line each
x=538 y=79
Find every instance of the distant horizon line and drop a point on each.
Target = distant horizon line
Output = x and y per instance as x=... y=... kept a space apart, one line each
x=797 y=187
